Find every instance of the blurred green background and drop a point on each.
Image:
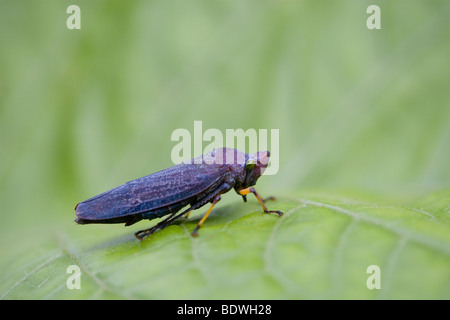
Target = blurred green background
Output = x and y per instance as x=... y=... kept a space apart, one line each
x=82 y=111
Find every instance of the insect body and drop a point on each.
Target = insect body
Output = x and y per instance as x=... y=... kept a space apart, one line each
x=195 y=183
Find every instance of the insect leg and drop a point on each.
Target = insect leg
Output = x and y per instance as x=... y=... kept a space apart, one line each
x=141 y=234
x=216 y=199
x=244 y=192
x=144 y=233
x=216 y=196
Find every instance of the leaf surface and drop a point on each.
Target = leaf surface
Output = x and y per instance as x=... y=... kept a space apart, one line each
x=320 y=248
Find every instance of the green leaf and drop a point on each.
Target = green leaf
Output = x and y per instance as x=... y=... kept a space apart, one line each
x=320 y=248
x=82 y=111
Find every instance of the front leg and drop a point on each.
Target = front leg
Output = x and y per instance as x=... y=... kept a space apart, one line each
x=244 y=192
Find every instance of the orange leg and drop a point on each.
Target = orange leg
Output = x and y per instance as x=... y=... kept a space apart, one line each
x=244 y=192
x=216 y=199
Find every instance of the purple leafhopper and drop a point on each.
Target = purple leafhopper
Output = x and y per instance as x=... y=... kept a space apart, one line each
x=193 y=183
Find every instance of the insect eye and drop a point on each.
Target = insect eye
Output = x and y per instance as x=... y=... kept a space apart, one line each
x=250 y=165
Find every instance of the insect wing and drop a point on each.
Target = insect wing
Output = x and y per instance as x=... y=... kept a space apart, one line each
x=158 y=190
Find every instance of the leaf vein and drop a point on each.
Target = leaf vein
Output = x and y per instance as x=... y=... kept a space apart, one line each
x=403 y=232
